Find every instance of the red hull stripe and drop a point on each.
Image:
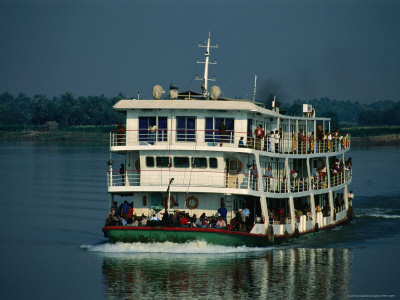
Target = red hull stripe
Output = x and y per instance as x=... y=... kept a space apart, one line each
x=158 y=228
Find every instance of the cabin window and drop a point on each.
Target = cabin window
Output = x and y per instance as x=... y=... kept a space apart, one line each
x=149 y=161
x=181 y=162
x=213 y=132
x=186 y=129
x=199 y=162
x=163 y=161
x=213 y=163
x=148 y=135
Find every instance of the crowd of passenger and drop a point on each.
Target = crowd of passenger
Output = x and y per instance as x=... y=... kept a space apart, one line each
x=302 y=142
x=123 y=215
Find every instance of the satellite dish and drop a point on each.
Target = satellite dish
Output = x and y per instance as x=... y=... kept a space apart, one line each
x=173 y=94
x=157 y=92
x=215 y=92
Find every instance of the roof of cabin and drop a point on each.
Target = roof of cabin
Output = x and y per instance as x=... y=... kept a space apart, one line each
x=124 y=105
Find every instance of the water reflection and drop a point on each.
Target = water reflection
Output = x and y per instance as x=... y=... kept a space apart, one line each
x=292 y=273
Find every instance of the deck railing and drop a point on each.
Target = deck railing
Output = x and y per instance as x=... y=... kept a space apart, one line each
x=187 y=178
x=199 y=178
x=287 y=143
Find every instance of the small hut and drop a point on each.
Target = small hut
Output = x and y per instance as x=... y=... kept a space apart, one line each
x=50 y=126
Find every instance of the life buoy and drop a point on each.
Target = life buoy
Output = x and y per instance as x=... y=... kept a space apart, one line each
x=137 y=164
x=172 y=202
x=270 y=234
x=192 y=202
x=350 y=213
x=286 y=234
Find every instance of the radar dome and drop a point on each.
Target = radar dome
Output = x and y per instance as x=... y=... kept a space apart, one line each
x=157 y=92
x=215 y=92
x=173 y=94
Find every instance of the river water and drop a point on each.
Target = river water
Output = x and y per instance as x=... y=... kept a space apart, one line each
x=54 y=203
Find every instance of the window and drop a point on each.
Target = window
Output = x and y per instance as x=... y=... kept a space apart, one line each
x=213 y=163
x=213 y=130
x=181 y=162
x=150 y=161
x=199 y=162
x=163 y=161
x=186 y=129
x=151 y=136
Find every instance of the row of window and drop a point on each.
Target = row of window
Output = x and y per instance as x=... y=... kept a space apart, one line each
x=182 y=162
x=217 y=129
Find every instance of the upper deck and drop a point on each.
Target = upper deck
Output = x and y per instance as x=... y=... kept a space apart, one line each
x=189 y=124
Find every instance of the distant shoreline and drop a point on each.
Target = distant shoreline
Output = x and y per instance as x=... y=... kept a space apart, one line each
x=103 y=137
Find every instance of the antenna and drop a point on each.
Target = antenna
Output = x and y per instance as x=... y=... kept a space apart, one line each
x=255 y=88
x=207 y=62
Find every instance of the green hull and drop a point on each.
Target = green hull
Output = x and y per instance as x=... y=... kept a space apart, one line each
x=182 y=235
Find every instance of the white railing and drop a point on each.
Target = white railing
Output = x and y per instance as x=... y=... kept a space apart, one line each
x=194 y=178
x=286 y=144
x=198 y=178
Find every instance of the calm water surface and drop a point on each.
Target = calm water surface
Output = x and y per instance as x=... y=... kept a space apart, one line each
x=54 y=203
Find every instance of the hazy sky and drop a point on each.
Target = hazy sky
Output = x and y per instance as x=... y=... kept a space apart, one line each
x=343 y=49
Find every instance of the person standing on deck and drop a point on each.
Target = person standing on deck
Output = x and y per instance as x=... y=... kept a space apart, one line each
x=254 y=177
x=222 y=132
x=122 y=173
x=223 y=211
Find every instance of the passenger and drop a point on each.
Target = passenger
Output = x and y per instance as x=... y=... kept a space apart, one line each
x=204 y=221
x=112 y=219
x=153 y=132
x=198 y=223
x=143 y=221
x=254 y=177
x=236 y=221
x=192 y=220
x=222 y=132
x=117 y=209
x=246 y=214
x=212 y=222
x=184 y=221
x=125 y=208
x=155 y=218
x=277 y=141
x=221 y=224
x=223 y=211
x=241 y=143
x=250 y=143
x=350 y=196
x=259 y=134
x=122 y=173
x=268 y=179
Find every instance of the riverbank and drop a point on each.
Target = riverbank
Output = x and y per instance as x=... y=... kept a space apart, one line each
x=103 y=137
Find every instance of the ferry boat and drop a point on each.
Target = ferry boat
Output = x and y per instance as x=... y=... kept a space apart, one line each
x=272 y=177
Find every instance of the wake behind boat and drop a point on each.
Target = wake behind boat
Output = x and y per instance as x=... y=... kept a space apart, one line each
x=198 y=166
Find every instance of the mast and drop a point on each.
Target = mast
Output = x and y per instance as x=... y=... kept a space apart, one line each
x=255 y=88
x=207 y=62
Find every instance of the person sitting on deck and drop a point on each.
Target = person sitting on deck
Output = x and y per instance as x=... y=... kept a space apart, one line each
x=221 y=224
x=117 y=209
x=143 y=221
x=184 y=221
x=241 y=143
x=250 y=143
x=198 y=222
x=236 y=221
x=112 y=219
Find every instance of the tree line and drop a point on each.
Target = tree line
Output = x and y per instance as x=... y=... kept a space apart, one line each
x=68 y=110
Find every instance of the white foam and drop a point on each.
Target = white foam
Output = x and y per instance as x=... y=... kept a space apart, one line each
x=194 y=247
x=381 y=216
